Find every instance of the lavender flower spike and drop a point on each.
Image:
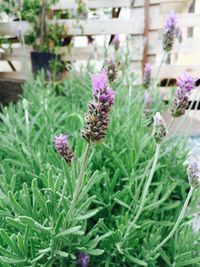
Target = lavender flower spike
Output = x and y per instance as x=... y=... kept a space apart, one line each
x=111 y=70
x=186 y=83
x=62 y=147
x=169 y=31
x=147 y=75
x=116 y=41
x=97 y=117
x=194 y=173
x=147 y=102
x=181 y=99
x=159 y=129
x=83 y=260
x=99 y=81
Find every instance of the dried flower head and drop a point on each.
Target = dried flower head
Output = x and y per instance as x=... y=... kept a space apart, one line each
x=97 y=118
x=62 y=147
x=83 y=260
x=181 y=98
x=147 y=102
x=159 y=128
x=194 y=173
x=169 y=31
x=147 y=74
x=116 y=41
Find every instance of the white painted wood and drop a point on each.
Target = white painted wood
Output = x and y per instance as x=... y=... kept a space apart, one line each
x=70 y=4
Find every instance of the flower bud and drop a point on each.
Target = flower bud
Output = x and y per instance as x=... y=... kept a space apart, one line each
x=62 y=147
x=159 y=128
x=193 y=173
x=169 y=31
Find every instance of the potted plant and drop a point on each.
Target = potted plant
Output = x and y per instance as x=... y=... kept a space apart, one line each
x=43 y=37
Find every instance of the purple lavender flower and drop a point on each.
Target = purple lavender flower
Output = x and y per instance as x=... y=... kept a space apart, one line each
x=181 y=98
x=62 y=147
x=101 y=91
x=186 y=83
x=116 y=41
x=99 y=81
x=147 y=74
x=194 y=173
x=97 y=118
x=147 y=102
x=83 y=260
x=159 y=129
x=169 y=31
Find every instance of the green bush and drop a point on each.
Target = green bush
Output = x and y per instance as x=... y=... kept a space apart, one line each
x=36 y=185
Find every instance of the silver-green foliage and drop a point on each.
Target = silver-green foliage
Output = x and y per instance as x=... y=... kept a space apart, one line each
x=36 y=186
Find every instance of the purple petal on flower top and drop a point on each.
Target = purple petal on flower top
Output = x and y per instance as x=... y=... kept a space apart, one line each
x=147 y=102
x=185 y=83
x=116 y=37
x=170 y=22
x=148 y=68
x=61 y=143
x=83 y=260
x=99 y=81
x=116 y=41
x=111 y=95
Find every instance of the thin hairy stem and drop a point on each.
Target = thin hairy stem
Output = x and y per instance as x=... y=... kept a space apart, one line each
x=158 y=70
x=180 y=217
x=79 y=184
x=145 y=191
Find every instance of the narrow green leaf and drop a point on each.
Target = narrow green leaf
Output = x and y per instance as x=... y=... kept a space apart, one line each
x=69 y=231
x=11 y=260
x=189 y=262
x=137 y=261
x=87 y=215
x=95 y=252
x=62 y=253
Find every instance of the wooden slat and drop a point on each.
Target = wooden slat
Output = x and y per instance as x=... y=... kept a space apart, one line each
x=108 y=26
x=75 y=53
x=173 y=71
x=70 y=4
x=13 y=75
x=89 y=27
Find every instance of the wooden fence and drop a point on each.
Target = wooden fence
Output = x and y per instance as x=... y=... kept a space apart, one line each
x=144 y=26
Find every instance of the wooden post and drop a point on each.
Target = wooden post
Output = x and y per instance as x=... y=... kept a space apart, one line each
x=146 y=32
x=43 y=22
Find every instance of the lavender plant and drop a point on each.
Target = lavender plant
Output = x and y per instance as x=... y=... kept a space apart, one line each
x=169 y=31
x=116 y=42
x=181 y=98
x=148 y=101
x=35 y=230
x=62 y=146
x=147 y=75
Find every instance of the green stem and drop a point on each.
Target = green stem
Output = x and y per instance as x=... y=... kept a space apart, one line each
x=181 y=215
x=79 y=183
x=146 y=190
x=159 y=68
x=170 y=123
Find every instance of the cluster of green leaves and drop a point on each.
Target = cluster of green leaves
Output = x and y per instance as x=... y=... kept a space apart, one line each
x=36 y=185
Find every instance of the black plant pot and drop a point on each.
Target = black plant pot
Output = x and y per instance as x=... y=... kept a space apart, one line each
x=45 y=61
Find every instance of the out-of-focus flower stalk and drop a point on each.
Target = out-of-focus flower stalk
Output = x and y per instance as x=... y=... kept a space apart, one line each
x=194 y=180
x=159 y=133
x=147 y=75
